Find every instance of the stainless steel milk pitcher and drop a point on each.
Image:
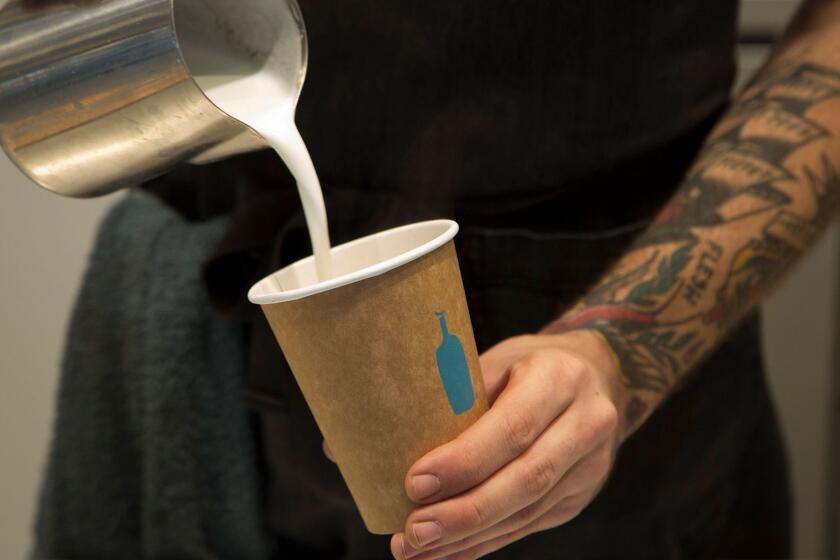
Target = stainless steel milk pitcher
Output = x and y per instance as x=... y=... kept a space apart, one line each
x=96 y=95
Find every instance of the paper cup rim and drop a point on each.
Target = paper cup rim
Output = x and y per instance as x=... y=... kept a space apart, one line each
x=363 y=273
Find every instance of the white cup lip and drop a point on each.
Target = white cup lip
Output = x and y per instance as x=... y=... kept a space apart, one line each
x=363 y=273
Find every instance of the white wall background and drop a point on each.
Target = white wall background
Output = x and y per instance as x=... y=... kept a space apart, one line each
x=800 y=323
x=44 y=242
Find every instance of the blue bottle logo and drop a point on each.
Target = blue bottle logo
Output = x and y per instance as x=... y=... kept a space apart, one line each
x=453 y=369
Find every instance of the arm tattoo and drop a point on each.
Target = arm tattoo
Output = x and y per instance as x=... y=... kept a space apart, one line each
x=764 y=186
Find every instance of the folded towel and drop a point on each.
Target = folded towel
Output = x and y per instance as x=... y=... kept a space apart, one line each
x=153 y=455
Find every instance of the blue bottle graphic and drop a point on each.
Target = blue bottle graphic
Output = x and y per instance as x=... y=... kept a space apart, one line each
x=453 y=369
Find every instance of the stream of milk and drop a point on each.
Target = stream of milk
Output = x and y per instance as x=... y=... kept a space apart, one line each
x=254 y=99
x=279 y=130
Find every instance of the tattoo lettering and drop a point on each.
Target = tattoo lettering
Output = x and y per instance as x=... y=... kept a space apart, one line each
x=764 y=187
x=706 y=265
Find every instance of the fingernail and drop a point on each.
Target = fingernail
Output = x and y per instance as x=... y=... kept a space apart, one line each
x=426 y=532
x=425 y=485
x=408 y=550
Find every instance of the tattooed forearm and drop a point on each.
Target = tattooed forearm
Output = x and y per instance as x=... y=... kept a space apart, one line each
x=764 y=187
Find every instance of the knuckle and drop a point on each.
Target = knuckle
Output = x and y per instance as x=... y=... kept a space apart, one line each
x=527 y=514
x=574 y=370
x=544 y=364
x=518 y=431
x=606 y=418
x=473 y=516
x=532 y=362
x=540 y=367
x=517 y=534
x=519 y=370
x=603 y=461
x=600 y=420
x=470 y=465
x=539 y=477
x=534 y=358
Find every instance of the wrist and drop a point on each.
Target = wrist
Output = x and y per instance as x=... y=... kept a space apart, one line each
x=591 y=341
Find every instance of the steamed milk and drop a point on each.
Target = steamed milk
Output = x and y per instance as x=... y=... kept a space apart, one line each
x=287 y=142
x=232 y=69
x=277 y=126
x=279 y=130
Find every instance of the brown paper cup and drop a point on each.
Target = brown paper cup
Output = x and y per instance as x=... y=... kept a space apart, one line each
x=384 y=355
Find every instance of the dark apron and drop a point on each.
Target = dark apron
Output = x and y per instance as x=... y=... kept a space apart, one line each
x=704 y=477
x=706 y=473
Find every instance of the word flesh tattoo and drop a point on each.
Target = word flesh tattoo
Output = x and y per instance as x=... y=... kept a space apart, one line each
x=761 y=190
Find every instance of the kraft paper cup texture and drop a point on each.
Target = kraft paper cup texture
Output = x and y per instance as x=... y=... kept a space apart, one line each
x=368 y=351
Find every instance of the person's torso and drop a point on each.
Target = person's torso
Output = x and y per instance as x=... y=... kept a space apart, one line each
x=478 y=97
x=467 y=98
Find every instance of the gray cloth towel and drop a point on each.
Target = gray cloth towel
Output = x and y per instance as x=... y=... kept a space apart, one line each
x=152 y=455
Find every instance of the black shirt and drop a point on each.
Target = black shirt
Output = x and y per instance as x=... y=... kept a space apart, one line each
x=476 y=97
